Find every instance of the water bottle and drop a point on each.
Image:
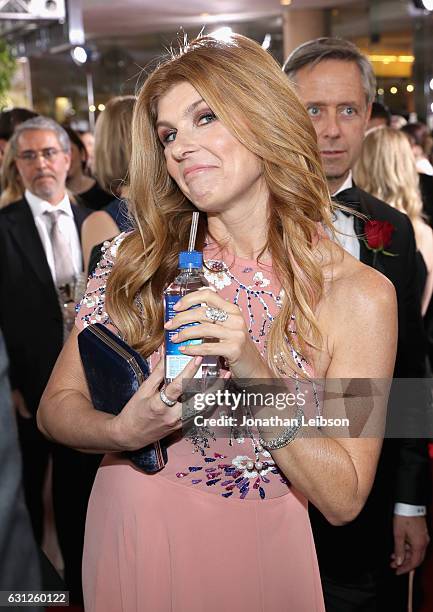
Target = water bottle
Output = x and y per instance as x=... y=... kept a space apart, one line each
x=189 y=279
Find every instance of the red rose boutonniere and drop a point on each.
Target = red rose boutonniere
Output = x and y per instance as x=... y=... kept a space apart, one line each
x=378 y=236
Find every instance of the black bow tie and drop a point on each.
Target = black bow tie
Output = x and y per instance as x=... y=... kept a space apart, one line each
x=350 y=198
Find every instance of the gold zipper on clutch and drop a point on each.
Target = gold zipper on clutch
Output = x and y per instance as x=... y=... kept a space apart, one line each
x=120 y=351
x=137 y=370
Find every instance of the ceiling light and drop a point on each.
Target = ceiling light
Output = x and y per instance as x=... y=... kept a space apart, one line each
x=424 y=4
x=101 y=107
x=380 y=91
x=79 y=55
x=92 y=108
x=266 y=41
x=431 y=84
x=410 y=88
x=393 y=90
x=388 y=59
x=224 y=34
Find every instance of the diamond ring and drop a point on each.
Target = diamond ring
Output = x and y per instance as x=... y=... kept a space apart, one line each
x=168 y=402
x=216 y=314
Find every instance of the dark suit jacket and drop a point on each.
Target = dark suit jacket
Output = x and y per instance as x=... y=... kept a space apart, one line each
x=426 y=185
x=402 y=476
x=30 y=315
x=19 y=559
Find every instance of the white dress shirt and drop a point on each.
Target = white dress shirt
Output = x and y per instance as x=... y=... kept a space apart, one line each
x=349 y=241
x=67 y=227
x=424 y=166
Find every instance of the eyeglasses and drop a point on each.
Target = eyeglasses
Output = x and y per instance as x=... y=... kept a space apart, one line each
x=49 y=154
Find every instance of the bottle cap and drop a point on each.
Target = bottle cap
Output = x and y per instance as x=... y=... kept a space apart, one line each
x=190 y=259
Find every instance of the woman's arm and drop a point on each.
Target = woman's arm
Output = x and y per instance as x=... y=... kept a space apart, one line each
x=97 y=227
x=336 y=473
x=66 y=414
x=358 y=320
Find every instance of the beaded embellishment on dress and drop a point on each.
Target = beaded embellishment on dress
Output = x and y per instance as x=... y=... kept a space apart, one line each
x=236 y=466
x=94 y=299
x=238 y=474
x=219 y=275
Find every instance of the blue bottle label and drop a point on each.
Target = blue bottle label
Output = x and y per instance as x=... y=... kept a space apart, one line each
x=175 y=360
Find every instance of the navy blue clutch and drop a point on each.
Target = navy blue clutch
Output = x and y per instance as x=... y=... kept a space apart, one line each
x=114 y=372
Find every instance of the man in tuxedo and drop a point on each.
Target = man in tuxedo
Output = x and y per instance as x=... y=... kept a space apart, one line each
x=40 y=260
x=364 y=564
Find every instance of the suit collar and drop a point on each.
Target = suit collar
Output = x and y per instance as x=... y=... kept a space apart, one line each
x=365 y=206
x=366 y=255
x=348 y=183
x=26 y=237
x=39 y=206
x=80 y=213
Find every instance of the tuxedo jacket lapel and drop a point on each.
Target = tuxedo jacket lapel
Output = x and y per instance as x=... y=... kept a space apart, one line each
x=80 y=213
x=365 y=255
x=25 y=234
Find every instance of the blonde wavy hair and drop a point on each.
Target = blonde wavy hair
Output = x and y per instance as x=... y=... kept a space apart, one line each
x=386 y=168
x=113 y=143
x=11 y=185
x=252 y=97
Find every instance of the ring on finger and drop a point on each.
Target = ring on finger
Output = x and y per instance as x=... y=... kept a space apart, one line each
x=216 y=314
x=166 y=400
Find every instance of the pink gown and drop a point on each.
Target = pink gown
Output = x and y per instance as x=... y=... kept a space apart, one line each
x=204 y=534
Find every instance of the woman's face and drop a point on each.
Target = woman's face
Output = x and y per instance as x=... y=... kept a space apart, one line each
x=89 y=142
x=211 y=167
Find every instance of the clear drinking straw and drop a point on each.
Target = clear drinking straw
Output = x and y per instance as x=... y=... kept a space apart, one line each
x=193 y=231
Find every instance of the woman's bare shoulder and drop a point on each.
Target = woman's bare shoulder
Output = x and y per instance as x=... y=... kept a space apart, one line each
x=344 y=275
x=96 y=218
x=359 y=283
x=358 y=306
x=353 y=292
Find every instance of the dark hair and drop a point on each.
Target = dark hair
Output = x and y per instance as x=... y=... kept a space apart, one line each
x=76 y=140
x=11 y=118
x=380 y=111
x=419 y=134
x=315 y=51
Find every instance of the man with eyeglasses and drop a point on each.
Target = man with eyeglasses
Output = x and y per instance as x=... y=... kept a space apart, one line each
x=40 y=265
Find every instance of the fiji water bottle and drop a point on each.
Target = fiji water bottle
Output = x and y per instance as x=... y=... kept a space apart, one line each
x=189 y=279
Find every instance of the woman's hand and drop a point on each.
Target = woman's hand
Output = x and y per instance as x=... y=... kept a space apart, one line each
x=146 y=418
x=231 y=339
